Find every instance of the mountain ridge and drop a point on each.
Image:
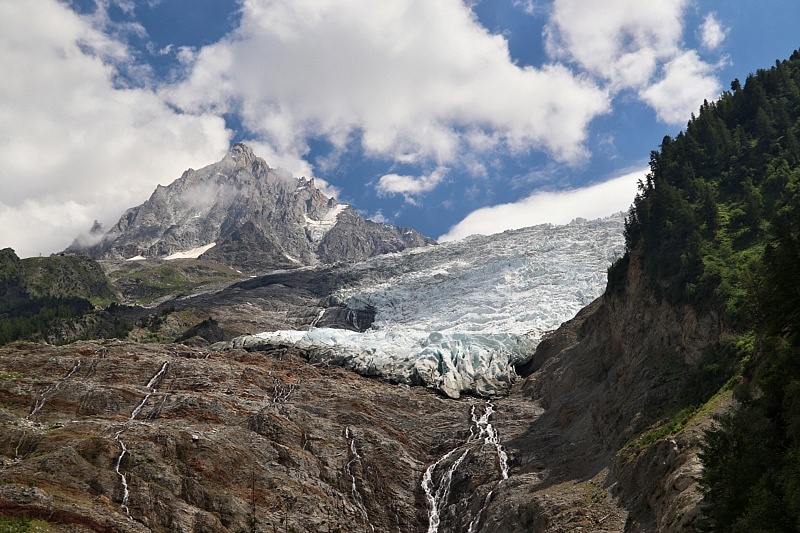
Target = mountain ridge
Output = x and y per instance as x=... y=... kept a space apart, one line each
x=247 y=215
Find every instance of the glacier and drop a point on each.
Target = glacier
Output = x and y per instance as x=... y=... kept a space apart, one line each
x=459 y=316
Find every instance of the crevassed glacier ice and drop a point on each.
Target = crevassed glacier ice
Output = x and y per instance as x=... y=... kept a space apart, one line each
x=458 y=316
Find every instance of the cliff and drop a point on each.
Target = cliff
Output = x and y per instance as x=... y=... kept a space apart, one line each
x=603 y=381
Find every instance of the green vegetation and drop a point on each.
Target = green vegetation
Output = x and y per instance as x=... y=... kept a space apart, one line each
x=22 y=524
x=716 y=225
x=146 y=282
x=41 y=295
x=61 y=299
x=35 y=318
x=67 y=276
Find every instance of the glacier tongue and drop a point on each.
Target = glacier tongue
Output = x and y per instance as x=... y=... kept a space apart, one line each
x=459 y=316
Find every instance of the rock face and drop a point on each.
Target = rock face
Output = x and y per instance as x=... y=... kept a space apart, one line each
x=257 y=219
x=130 y=437
x=269 y=435
x=602 y=379
x=12 y=286
x=115 y=436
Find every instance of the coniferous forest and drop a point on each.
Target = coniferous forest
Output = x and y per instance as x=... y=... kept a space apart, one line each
x=716 y=225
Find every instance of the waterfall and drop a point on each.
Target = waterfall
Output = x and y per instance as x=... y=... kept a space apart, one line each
x=150 y=385
x=74 y=368
x=437 y=497
x=316 y=320
x=473 y=526
x=51 y=389
x=481 y=432
x=125 y=492
x=486 y=431
x=348 y=468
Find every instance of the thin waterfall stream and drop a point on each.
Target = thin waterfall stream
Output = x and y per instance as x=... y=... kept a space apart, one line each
x=348 y=468
x=126 y=494
x=437 y=489
x=51 y=390
x=151 y=386
x=316 y=320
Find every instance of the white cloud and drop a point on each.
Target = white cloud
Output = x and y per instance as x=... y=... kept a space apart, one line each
x=621 y=41
x=686 y=82
x=531 y=7
x=559 y=207
x=378 y=217
x=410 y=186
x=638 y=45
x=410 y=80
x=73 y=147
x=712 y=33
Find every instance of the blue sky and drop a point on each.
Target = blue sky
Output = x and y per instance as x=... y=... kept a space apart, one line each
x=448 y=116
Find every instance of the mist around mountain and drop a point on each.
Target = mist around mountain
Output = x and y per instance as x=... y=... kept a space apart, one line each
x=242 y=213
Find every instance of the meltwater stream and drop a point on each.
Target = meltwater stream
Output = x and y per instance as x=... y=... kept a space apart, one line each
x=151 y=386
x=348 y=468
x=126 y=494
x=438 y=477
x=52 y=390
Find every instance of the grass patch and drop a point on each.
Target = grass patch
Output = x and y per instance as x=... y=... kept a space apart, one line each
x=23 y=524
x=146 y=282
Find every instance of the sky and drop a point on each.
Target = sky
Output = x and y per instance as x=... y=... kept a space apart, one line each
x=449 y=116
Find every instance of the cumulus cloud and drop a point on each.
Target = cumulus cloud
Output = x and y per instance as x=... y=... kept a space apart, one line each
x=75 y=147
x=559 y=207
x=396 y=184
x=410 y=80
x=712 y=32
x=410 y=186
x=378 y=217
x=686 y=82
x=621 y=41
x=637 y=45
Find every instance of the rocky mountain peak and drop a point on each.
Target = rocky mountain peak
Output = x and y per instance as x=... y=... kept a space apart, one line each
x=243 y=157
x=243 y=213
x=240 y=152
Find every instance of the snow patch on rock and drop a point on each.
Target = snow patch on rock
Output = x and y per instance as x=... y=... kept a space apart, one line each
x=194 y=253
x=316 y=229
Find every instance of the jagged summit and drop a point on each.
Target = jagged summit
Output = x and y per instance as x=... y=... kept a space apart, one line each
x=241 y=212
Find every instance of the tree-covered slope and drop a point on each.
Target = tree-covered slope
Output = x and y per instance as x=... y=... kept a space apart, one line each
x=716 y=225
x=38 y=294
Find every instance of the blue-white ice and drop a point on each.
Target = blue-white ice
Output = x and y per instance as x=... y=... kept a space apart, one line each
x=458 y=316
